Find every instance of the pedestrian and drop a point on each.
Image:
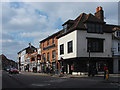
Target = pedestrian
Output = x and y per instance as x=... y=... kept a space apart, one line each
x=72 y=68
x=63 y=69
x=105 y=69
x=47 y=69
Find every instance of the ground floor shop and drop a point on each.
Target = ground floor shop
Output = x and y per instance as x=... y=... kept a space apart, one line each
x=83 y=64
x=74 y=65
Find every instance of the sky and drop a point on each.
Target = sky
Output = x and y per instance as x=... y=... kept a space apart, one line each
x=25 y=22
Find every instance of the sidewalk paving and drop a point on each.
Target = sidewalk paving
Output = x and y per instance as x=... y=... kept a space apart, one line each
x=113 y=78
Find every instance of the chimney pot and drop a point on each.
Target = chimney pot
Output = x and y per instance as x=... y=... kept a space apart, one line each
x=99 y=13
x=97 y=9
x=100 y=8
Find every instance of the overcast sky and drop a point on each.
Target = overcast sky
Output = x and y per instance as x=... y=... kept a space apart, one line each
x=24 y=22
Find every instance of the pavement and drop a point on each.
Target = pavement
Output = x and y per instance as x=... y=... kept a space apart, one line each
x=113 y=78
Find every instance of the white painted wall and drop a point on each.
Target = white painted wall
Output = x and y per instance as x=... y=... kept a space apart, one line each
x=64 y=40
x=82 y=44
x=115 y=46
x=39 y=51
x=23 y=57
x=116 y=53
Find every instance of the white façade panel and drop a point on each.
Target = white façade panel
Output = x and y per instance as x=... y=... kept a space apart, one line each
x=64 y=40
x=82 y=44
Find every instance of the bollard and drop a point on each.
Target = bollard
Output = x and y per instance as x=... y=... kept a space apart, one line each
x=107 y=74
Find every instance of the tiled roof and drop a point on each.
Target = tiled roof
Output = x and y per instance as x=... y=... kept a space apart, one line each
x=26 y=49
x=79 y=24
x=53 y=35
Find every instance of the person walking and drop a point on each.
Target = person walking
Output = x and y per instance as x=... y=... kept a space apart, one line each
x=105 y=69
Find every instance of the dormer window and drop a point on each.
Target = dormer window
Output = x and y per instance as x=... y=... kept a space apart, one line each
x=94 y=28
x=65 y=28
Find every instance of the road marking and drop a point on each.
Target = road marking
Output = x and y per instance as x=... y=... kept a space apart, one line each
x=117 y=84
x=40 y=85
x=10 y=75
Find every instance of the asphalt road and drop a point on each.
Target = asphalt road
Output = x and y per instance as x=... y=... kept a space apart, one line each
x=44 y=81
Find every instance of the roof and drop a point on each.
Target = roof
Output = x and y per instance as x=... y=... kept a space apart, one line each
x=69 y=21
x=26 y=49
x=116 y=28
x=51 y=36
x=79 y=24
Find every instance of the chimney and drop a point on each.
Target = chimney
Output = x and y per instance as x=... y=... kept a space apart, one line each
x=99 y=13
x=30 y=45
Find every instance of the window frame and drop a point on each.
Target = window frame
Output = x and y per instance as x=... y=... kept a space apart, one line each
x=70 y=49
x=118 y=33
x=48 y=56
x=44 y=57
x=53 y=54
x=53 y=40
x=44 y=45
x=61 y=47
x=94 y=28
x=97 y=45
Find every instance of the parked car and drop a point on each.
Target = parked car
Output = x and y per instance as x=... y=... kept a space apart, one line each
x=6 y=69
x=13 y=71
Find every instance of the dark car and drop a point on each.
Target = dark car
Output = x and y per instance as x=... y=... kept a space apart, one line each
x=13 y=71
x=6 y=69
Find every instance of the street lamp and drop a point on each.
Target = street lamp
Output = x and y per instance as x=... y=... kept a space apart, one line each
x=89 y=71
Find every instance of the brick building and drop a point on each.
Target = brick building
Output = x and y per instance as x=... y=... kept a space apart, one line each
x=49 y=52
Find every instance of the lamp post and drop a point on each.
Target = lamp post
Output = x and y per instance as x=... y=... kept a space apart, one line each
x=89 y=69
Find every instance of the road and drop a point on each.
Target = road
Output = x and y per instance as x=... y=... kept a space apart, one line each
x=23 y=80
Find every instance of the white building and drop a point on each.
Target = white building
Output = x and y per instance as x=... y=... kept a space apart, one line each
x=116 y=50
x=87 y=40
x=23 y=57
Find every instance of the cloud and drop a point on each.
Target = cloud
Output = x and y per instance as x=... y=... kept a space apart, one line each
x=31 y=22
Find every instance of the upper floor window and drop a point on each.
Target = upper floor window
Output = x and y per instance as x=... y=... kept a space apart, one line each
x=47 y=56
x=53 y=40
x=94 y=28
x=118 y=47
x=118 y=33
x=40 y=45
x=53 y=54
x=62 y=49
x=65 y=28
x=44 y=57
x=48 y=43
x=95 y=45
x=70 y=46
x=44 y=45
